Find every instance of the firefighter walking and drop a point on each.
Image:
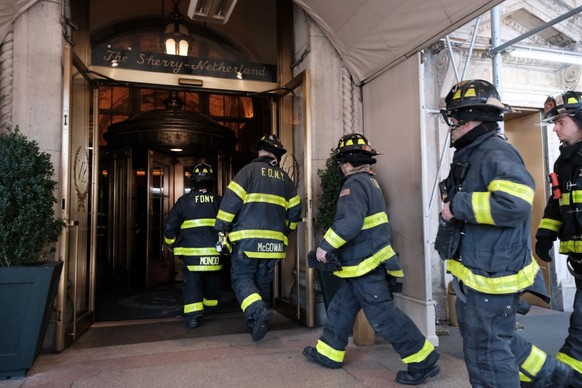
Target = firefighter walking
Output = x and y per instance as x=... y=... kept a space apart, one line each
x=486 y=217
x=189 y=231
x=259 y=210
x=563 y=212
x=360 y=237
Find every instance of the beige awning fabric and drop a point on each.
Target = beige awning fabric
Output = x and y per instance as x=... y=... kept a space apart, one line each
x=373 y=35
x=9 y=10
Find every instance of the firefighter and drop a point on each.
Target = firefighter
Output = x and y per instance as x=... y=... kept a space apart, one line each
x=190 y=232
x=259 y=210
x=360 y=237
x=563 y=212
x=488 y=198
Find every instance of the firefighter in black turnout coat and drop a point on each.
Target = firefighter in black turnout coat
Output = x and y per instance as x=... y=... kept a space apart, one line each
x=487 y=202
x=259 y=210
x=360 y=237
x=190 y=232
x=563 y=213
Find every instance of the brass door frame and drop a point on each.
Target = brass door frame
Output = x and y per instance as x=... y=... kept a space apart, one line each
x=67 y=332
x=288 y=115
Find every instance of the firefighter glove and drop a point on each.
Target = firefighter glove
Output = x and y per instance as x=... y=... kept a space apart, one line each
x=332 y=264
x=543 y=247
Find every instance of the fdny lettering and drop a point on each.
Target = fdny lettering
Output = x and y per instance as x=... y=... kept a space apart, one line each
x=204 y=198
x=270 y=247
x=272 y=173
x=210 y=260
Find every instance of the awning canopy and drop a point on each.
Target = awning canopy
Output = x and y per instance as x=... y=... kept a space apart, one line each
x=369 y=35
x=373 y=35
x=9 y=10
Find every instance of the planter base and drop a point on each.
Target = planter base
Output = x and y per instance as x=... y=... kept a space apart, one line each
x=26 y=299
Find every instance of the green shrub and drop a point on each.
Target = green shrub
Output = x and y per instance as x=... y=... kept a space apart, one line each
x=330 y=185
x=27 y=222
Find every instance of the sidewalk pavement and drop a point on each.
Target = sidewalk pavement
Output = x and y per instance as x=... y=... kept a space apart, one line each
x=234 y=360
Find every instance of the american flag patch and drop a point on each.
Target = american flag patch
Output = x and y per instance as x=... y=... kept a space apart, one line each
x=344 y=192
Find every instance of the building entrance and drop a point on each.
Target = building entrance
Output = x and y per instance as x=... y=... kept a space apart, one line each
x=145 y=163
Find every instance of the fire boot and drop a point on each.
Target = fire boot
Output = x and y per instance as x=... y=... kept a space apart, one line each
x=313 y=355
x=261 y=324
x=193 y=321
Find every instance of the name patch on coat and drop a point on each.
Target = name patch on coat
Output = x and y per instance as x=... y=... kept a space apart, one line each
x=210 y=260
x=270 y=247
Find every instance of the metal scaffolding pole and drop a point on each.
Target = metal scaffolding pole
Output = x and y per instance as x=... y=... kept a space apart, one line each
x=496 y=57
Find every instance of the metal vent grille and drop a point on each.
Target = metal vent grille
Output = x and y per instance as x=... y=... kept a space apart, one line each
x=214 y=11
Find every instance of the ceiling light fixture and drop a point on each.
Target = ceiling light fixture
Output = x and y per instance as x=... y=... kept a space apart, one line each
x=547 y=55
x=176 y=35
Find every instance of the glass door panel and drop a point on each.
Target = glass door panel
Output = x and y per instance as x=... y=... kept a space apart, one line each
x=160 y=262
x=294 y=283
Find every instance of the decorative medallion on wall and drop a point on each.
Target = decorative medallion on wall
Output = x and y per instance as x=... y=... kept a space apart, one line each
x=291 y=166
x=81 y=177
x=572 y=77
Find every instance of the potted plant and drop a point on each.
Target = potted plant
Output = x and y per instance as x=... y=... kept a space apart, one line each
x=28 y=280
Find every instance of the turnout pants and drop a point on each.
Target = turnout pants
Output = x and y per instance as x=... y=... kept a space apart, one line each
x=370 y=292
x=532 y=365
x=571 y=351
x=486 y=323
x=201 y=290
x=252 y=282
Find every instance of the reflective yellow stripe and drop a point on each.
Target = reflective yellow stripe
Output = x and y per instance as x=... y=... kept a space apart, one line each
x=169 y=241
x=333 y=239
x=224 y=216
x=419 y=356
x=367 y=265
x=265 y=255
x=482 y=208
x=375 y=220
x=197 y=223
x=190 y=308
x=329 y=352
x=501 y=285
x=549 y=224
x=294 y=201
x=396 y=274
x=515 y=189
x=266 y=198
x=195 y=251
x=533 y=363
x=204 y=268
x=564 y=199
x=237 y=189
x=292 y=225
x=210 y=302
x=577 y=196
x=571 y=246
x=569 y=360
x=252 y=298
x=257 y=233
